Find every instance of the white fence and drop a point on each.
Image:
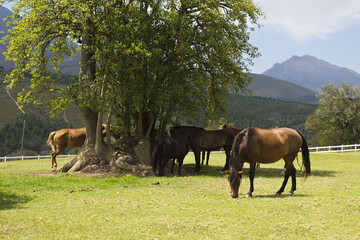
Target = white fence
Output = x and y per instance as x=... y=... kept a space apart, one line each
x=327 y=149
x=4 y=159
x=340 y=148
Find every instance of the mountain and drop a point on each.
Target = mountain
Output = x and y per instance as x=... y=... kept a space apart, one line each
x=312 y=73
x=4 y=13
x=70 y=64
x=265 y=86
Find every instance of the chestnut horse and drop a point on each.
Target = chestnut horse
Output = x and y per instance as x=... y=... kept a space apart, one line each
x=74 y=137
x=169 y=148
x=266 y=146
x=200 y=139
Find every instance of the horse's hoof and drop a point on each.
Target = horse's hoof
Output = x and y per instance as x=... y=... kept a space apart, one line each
x=249 y=195
x=278 y=193
x=291 y=193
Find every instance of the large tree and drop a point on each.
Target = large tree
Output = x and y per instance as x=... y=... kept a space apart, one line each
x=337 y=119
x=149 y=61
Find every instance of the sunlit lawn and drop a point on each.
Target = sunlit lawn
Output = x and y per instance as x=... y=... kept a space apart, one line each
x=37 y=205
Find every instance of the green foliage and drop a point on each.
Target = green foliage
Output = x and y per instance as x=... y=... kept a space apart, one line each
x=155 y=59
x=337 y=119
x=38 y=204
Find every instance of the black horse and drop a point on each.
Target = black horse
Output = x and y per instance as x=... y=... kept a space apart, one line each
x=169 y=148
x=200 y=139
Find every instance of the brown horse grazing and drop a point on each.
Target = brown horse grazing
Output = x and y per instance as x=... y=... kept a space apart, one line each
x=200 y=139
x=169 y=148
x=266 y=146
x=74 y=137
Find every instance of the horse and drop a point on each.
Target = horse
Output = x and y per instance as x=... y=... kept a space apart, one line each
x=169 y=148
x=266 y=146
x=74 y=137
x=200 y=139
x=235 y=130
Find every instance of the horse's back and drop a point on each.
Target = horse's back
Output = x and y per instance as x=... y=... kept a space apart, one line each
x=70 y=137
x=213 y=139
x=270 y=145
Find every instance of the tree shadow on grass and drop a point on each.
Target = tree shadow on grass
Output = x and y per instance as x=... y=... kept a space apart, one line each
x=9 y=201
x=284 y=195
x=215 y=171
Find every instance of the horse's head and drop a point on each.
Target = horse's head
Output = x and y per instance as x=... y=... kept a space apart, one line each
x=222 y=126
x=234 y=180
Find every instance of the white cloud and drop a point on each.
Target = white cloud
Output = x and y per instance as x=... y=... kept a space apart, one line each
x=308 y=19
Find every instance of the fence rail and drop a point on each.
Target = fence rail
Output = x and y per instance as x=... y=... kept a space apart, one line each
x=339 y=148
x=4 y=159
x=326 y=149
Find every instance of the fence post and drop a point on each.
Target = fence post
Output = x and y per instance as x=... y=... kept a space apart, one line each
x=342 y=148
x=5 y=159
x=38 y=156
x=355 y=147
x=22 y=157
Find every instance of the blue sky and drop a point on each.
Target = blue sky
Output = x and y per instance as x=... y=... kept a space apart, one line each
x=326 y=29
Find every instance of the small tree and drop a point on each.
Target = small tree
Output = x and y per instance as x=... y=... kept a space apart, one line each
x=337 y=119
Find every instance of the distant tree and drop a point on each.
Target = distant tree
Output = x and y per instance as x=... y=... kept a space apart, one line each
x=337 y=119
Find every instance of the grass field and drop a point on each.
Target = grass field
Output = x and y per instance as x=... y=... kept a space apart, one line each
x=35 y=204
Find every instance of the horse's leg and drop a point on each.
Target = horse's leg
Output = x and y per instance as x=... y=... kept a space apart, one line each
x=181 y=160
x=289 y=170
x=53 y=158
x=197 y=161
x=162 y=166
x=203 y=157
x=227 y=152
x=251 y=176
x=293 y=179
x=172 y=167
x=207 y=157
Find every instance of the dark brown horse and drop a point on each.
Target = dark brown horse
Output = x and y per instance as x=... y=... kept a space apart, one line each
x=200 y=139
x=170 y=148
x=74 y=137
x=266 y=146
x=235 y=130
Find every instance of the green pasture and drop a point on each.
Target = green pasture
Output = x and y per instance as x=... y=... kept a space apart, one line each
x=35 y=204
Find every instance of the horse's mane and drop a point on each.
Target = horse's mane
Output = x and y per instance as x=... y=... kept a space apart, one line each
x=242 y=136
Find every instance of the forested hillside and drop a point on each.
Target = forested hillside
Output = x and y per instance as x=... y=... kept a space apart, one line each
x=268 y=113
x=36 y=134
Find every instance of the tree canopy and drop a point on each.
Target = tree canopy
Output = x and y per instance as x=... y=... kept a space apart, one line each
x=337 y=119
x=148 y=62
x=154 y=59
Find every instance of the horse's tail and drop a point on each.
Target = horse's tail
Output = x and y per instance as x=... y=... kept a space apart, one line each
x=50 y=141
x=305 y=156
x=157 y=155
